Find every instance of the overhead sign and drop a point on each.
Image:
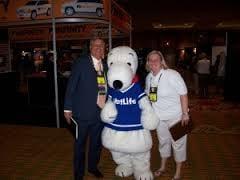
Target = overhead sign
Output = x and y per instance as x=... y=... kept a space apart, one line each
x=32 y=10
x=63 y=32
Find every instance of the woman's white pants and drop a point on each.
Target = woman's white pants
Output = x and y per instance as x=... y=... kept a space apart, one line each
x=166 y=142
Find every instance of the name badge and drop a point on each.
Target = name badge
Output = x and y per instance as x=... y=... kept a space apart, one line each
x=101 y=84
x=101 y=79
x=153 y=94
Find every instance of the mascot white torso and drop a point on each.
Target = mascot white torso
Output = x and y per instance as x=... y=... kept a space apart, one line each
x=128 y=116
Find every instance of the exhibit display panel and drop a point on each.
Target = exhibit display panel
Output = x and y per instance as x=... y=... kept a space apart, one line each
x=57 y=26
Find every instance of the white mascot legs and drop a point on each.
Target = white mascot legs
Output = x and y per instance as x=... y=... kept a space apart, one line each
x=137 y=163
x=141 y=164
x=125 y=166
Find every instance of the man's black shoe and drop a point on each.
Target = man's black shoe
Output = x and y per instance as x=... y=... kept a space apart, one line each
x=78 y=178
x=96 y=173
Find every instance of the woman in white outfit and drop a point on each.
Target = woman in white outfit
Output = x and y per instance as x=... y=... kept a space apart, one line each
x=168 y=94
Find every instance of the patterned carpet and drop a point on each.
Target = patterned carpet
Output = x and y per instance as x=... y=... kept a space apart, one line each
x=46 y=153
x=41 y=153
x=215 y=115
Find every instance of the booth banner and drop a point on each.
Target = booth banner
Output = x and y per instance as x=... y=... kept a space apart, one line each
x=33 y=10
x=29 y=34
x=84 y=31
x=120 y=18
x=63 y=32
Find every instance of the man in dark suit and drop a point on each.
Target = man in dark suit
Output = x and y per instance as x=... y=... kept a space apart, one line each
x=85 y=96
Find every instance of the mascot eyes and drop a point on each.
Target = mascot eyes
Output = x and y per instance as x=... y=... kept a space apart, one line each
x=129 y=64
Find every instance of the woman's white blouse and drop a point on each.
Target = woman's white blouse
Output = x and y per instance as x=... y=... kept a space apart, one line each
x=170 y=85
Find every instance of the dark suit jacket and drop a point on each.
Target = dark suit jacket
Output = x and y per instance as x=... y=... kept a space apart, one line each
x=82 y=90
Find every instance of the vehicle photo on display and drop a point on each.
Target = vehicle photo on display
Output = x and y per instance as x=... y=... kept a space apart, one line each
x=83 y=6
x=34 y=8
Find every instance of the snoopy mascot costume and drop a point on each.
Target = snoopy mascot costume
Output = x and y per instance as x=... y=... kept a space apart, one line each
x=128 y=117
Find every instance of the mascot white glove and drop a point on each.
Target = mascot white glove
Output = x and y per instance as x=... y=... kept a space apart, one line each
x=149 y=118
x=109 y=112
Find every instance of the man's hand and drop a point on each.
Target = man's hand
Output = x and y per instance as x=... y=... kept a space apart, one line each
x=101 y=101
x=68 y=116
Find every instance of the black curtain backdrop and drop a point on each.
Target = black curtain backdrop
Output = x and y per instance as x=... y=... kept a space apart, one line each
x=3 y=35
x=232 y=76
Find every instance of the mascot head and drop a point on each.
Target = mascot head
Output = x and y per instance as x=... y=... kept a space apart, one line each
x=122 y=63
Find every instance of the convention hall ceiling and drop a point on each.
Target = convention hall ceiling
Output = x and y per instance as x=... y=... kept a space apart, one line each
x=185 y=14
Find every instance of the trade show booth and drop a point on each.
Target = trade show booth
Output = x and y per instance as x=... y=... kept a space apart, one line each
x=38 y=29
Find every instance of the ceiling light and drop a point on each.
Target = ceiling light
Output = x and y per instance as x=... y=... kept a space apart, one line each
x=172 y=26
x=228 y=24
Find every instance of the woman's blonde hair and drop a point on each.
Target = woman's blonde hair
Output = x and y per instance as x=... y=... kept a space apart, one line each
x=162 y=59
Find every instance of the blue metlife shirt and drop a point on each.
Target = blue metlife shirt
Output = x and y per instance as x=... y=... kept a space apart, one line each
x=129 y=113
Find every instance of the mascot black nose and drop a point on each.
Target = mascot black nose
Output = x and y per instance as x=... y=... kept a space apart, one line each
x=117 y=84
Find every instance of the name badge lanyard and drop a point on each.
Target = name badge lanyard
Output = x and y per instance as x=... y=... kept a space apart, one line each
x=101 y=80
x=153 y=90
